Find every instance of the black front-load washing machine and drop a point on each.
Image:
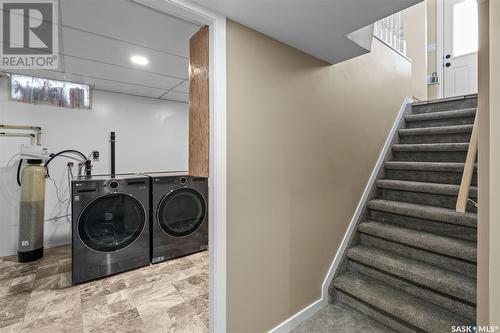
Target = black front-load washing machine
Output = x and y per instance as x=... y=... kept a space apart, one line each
x=110 y=225
x=179 y=215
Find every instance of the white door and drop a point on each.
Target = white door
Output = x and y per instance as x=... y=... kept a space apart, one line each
x=461 y=35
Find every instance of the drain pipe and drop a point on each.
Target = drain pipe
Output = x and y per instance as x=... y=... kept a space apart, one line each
x=112 y=140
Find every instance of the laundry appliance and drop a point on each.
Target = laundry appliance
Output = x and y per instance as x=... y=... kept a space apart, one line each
x=110 y=228
x=179 y=215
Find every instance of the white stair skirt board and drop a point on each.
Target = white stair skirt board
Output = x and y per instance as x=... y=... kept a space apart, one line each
x=307 y=312
x=299 y=317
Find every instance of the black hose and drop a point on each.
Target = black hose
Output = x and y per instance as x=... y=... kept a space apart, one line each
x=63 y=152
x=19 y=172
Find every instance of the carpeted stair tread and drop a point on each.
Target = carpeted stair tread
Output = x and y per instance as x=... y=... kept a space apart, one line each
x=433 y=147
x=452 y=247
x=426 y=166
x=418 y=272
x=412 y=263
x=339 y=318
x=439 y=101
x=408 y=309
x=433 y=188
x=425 y=212
x=436 y=130
x=441 y=115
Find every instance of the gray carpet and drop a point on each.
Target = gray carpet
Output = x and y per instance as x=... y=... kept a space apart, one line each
x=338 y=318
x=411 y=265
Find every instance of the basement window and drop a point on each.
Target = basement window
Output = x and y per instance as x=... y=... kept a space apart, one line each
x=35 y=90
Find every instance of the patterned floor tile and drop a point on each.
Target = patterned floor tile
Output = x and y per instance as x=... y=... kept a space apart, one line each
x=168 y=297
x=127 y=321
x=192 y=286
x=13 y=308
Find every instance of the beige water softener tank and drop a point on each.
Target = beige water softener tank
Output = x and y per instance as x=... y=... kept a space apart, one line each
x=31 y=216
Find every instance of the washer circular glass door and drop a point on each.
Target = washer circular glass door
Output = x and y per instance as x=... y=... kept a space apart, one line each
x=181 y=212
x=111 y=222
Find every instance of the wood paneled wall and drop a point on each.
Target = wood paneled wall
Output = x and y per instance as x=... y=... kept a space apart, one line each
x=199 y=103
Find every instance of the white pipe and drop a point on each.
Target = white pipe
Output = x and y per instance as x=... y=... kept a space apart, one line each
x=20 y=135
x=36 y=129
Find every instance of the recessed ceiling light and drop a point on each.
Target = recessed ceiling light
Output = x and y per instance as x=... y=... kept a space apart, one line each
x=139 y=60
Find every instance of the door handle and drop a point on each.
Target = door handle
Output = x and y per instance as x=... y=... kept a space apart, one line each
x=448 y=64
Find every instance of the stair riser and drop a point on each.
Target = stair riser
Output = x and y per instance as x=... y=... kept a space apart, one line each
x=430 y=156
x=374 y=313
x=435 y=138
x=412 y=287
x=443 y=261
x=440 y=177
x=444 y=229
x=467 y=103
x=420 y=198
x=440 y=122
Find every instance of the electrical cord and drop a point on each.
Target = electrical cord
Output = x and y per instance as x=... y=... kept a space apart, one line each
x=57 y=192
x=56 y=218
x=66 y=201
x=70 y=177
x=11 y=159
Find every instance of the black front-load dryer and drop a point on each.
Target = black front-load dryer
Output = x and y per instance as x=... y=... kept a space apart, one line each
x=110 y=228
x=179 y=219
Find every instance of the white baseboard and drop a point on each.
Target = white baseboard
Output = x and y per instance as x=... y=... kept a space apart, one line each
x=299 y=317
x=312 y=308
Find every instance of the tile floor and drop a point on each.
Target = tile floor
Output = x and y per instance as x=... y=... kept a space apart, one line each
x=167 y=297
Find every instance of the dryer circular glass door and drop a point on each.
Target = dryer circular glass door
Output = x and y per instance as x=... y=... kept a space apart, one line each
x=181 y=212
x=111 y=222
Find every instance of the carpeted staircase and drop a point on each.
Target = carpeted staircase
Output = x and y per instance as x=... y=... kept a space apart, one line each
x=411 y=265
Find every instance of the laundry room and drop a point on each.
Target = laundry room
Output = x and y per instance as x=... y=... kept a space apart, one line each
x=104 y=173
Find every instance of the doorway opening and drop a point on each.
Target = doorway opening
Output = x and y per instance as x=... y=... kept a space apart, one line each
x=137 y=71
x=456 y=48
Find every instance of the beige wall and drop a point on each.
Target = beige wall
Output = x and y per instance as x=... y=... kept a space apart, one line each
x=484 y=165
x=494 y=162
x=416 y=37
x=303 y=138
x=489 y=164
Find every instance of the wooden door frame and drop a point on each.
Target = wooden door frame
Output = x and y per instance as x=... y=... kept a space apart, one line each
x=195 y=13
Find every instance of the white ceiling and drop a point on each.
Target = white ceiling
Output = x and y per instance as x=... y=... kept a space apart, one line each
x=317 y=27
x=98 y=37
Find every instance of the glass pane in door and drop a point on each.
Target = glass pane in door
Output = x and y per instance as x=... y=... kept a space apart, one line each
x=465 y=27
